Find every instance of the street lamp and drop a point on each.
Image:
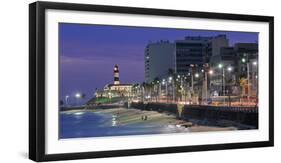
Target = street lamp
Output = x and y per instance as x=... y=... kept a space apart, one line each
x=229 y=69
x=173 y=89
x=109 y=95
x=170 y=79
x=205 y=84
x=211 y=72
x=78 y=95
x=248 y=75
x=255 y=78
x=223 y=82
x=166 y=87
x=220 y=65
x=158 y=90
x=196 y=75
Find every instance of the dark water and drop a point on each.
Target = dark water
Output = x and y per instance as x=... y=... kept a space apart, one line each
x=89 y=124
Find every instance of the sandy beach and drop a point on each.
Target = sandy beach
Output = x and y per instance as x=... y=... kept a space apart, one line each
x=124 y=117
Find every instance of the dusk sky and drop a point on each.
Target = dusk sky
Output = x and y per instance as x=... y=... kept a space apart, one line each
x=88 y=53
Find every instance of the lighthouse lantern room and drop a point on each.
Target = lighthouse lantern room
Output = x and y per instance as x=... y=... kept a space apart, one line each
x=116 y=75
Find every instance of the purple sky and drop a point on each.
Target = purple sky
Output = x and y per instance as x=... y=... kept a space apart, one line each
x=88 y=53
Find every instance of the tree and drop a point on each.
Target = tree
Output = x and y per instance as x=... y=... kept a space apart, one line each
x=156 y=82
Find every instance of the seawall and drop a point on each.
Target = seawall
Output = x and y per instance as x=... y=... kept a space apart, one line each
x=242 y=115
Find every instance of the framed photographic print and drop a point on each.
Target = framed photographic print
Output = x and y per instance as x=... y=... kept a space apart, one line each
x=118 y=81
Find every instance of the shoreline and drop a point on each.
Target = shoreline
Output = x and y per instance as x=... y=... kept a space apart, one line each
x=132 y=116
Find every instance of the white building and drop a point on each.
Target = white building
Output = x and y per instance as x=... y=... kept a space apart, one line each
x=162 y=56
x=116 y=89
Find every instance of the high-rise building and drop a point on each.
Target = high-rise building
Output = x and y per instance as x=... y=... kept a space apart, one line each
x=159 y=59
x=197 y=50
x=218 y=42
x=163 y=57
x=191 y=50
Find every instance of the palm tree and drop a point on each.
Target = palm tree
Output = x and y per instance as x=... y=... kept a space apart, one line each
x=143 y=88
x=155 y=88
x=243 y=83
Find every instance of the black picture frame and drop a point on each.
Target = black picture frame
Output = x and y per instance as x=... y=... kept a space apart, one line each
x=37 y=80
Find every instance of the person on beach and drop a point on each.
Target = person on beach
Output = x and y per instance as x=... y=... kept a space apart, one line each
x=144 y=117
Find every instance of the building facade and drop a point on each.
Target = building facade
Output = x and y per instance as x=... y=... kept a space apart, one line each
x=193 y=56
x=247 y=54
x=239 y=61
x=197 y=50
x=117 y=89
x=159 y=59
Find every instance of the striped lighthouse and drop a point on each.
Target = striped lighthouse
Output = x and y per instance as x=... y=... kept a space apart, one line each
x=116 y=75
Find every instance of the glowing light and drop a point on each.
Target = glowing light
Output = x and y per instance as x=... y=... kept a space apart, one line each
x=114 y=122
x=196 y=75
x=211 y=72
x=220 y=65
x=78 y=95
x=255 y=63
x=229 y=69
x=78 y=113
